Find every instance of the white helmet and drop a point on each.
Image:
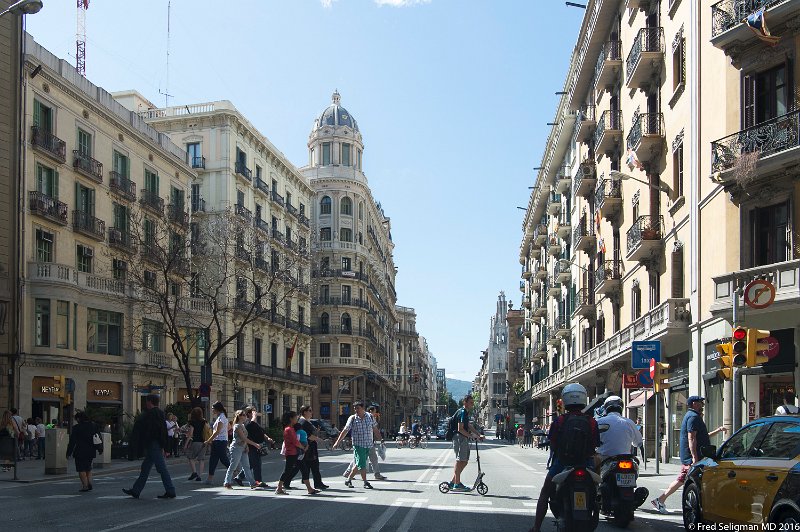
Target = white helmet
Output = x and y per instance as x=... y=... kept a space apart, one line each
x=613 y=403
x=573 y=395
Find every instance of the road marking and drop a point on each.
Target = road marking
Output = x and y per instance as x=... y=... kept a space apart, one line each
x=146 y=519
x=384 y=517
x=529 y=503
x=412 y=500
x=522 y=486
x=481 y=509
x=436 y=463
x=409 y=518
x=115 y=497
x=486 y=503
x=512 y=459
x=62 y=496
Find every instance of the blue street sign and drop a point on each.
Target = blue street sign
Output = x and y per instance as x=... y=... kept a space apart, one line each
x=267 y=408
x=642 y=352
x=644 y=379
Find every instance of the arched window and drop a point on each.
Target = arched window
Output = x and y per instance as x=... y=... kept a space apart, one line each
x=347 y=324
x=346 y=234
x=325 y=205
x=324 y=322
x=347 y=206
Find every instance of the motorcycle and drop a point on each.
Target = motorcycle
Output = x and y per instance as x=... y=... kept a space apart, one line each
x=619 y=496
x=574 y=503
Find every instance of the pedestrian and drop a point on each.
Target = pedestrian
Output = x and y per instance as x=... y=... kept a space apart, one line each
x=373 y=453
x=311 y=456
x=82 y=446
x=40 y=439
x=788 y=406
x=30 y=437
x=694 y=436
x=291 y=447
x=218 y=441
x=8 y=430
x=465 y=432
x=172 y=429
x=196 y=448
x=520 y=436
x=300 y=464
x=238 y=452
x=364 y=431
x=21 y=431
x=150 y=438
x=256 y=434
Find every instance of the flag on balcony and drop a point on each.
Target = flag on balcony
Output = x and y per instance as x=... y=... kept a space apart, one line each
x=597 y=221
x=291 y=353
x=601 y=245
x=758 y=23
x=633 y=161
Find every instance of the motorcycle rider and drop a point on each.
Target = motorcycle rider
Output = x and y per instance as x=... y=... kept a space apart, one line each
x=574 y=397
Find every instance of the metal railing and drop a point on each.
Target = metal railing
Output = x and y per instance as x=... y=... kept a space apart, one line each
x=645 y=124
x=728 y=14
x=277 y=198
x=243 y=212
x=198 y=205
x=647 y=227
x=587 y=113
x=88 y=166
x=43 y=205
x=198 y=162
x=612 y=51
x=764 y=139
x=262 y=224
x=177 y=214
x=607 y=271
x=607 y=188
x=262 y=185
x=244 y=171
x=120 y=239
x=609 y=121
x=584 y=297
x=647 y=40
x=304 y=220
x=121 y=185
x=152 y=200
x=88 y=225
x=52 y=145
x=238 y=364
x=291 y=209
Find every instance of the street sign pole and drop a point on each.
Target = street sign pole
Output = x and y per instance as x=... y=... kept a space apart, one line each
x=658 y=439
x=737 y=376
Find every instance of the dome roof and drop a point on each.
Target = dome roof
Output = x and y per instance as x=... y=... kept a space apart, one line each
x=336 y=115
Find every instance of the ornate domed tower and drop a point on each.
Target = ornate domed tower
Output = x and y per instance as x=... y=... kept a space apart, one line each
x=353 y=296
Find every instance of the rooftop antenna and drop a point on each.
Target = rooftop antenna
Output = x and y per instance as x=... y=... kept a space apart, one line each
x=166 y=93
x=80 y=38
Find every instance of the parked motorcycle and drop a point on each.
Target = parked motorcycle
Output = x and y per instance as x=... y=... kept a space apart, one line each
x=619 y=496
x=574 y=503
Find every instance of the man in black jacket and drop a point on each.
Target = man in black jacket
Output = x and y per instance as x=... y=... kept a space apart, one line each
x=149 y=437
x=255 y=432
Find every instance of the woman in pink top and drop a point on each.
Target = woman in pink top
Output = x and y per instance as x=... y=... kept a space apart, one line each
x=289 y=449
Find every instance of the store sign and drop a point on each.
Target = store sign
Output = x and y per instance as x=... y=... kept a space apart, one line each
x=183 y=395
x=51 y=389
x=103 y=391
x=631 y=381
x=45 y=389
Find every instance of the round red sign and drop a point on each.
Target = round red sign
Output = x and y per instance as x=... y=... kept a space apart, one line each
x=652 y=368
x=774 y=347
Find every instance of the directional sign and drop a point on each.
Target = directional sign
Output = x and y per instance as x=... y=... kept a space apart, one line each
x=759 y=294
x=642 y=352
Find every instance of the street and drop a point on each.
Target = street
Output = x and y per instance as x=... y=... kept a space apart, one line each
x=408 y=500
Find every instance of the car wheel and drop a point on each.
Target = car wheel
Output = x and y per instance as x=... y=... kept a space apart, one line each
x=692 y=514
x=788 y=517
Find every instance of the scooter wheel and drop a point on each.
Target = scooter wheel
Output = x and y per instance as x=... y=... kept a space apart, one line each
x=482 y=488
x=444 y=487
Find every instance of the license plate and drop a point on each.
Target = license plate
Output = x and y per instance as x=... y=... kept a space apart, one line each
x=626 y=479
x=579 y=500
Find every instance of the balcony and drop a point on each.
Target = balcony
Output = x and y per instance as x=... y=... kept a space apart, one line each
x=541 y=272
x=277 y=236
x=608 y=134
x=728 y=33
x=639 y=4
x=262 y=225
x=121 y=240
x=122 y=186
x=243 y=212
x=526 y=302
x=540 y=235
x=564 y=225
x=563 y=181
x=609 y=65
x=178 y=215
x=230 y=364
x=539 y=349
x=587 y=120
x=535 y=252
x=85 y=223
x=198 y=205
x=50 y=208
x=277 y=198
x=646 y=137
x=262 y=186
x=562 y=327
x=608 y=277
x=583 y=237
x=526 y=273
x=47 y=143
x=152 y=254
x=87 y=166
x=62 y=275
x=643 y=66
x=608 y=198
x=584 y=303
x=198 y=162
x=243 y=171
x=554 y=204
x=539 y=306
x=769 y=147
x=291 y=209
x=304 y=220
x=553 y=339
x=645 y=238
x=554 y=247
x=262 y=264
x=585 y=179
x=152 y=201
x=554 y=290
x=785 y=277
x=535 y=284
x=563 y=271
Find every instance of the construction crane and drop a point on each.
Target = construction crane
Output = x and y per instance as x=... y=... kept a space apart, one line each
x=80 y=38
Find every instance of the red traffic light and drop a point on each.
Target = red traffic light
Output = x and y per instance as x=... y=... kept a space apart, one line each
x=739 y=333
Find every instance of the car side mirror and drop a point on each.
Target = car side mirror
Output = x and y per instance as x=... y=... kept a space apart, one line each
x=708 y=451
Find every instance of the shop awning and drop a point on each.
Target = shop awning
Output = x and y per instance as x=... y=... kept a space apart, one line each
x=637 y=399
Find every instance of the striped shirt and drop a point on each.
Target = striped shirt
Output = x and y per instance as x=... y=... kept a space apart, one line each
x=361 y=429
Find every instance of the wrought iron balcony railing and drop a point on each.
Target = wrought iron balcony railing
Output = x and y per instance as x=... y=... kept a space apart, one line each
x=730 y=13
x=277 y=198
x=89 y=167
x=122 y=186
x=262 y=224
x=304 y=220
x=609 y=270
x=607 y=188
x=243 y=212
x=645 y=124
x=612 y=51
x=178 y=215
x=198 y=205
x=291 y=209
x=152 y=200
x=43 y=205
x=120 y=239
x=609 y=121
x=244 y=171
x=198 y=162
x=650 y=39
x=49 y=143
x=243 y=254
x=647 y=227
x=764 y=139
x=262 y=186
x=87 y=224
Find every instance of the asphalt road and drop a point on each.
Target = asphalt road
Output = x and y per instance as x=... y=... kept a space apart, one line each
x=408 y=500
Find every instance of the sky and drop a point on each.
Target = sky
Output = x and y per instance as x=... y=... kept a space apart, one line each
x=452 y=98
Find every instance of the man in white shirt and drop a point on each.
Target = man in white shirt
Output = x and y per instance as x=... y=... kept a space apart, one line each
x=617 y=434
x=40 y=439
x=788 y=405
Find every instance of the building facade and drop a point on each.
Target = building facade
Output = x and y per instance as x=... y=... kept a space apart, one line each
x=409 y=352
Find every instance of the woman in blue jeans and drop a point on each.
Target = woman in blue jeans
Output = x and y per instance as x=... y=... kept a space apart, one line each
x=239 y=453
x=218 y=441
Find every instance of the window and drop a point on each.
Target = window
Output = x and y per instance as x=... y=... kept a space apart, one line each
x=273 y=354
x=288 y=198
x=677 y=172
x=677 y=270
x=782 y=441
x=346 y=206
x=44 y=246
x=84 y=142
x=678 y=61
x=257 y=350
x=85 y=257
x=326 y=153
x=240 y=346
x=122 y=216
x=346 y=151
x=346 y=294
x=121 y=164
x=47 y=181
x=62 y=324
x=104 y=332
x=345 y=350
x=360 y=210
x=347 y=324
x=346 y=264
x=151 y=181
x=176 y=197
x=275 y=260
x=302 y=210
x=42 y=331
x=325 y=205
x=197 y=343
x=119 y=269
x=768 y=235
x=324 y=323
x=636 y=302
x=149 y=279
x=325 y=385
x=325 y=350
x=765 y=95
x=301 y=315
x=739 y=444
x=325 y=234
x=42 y=116
x=344 y=387
x=152 y=336
x=324 y=294
x=194 y=155
x=196 y=199
x=346 y=234
x=84 y=200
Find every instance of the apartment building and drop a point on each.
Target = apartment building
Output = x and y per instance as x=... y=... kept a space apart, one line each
x=240 y=174
x=517 y=369
x=407 y=367
x=83 y=155
x=427 y=411
x=354 y=322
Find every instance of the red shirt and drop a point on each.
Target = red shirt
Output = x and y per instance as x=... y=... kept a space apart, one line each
x=290 y=442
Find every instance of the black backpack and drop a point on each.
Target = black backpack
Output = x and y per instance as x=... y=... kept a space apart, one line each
x=575 y=442
x=452 y=427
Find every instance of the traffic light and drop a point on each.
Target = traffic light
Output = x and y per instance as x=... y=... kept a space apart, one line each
x=661 y=377
x=739 y=343
x=725 y=370
x=754 y=345
x=60 y=384
x=67 y=399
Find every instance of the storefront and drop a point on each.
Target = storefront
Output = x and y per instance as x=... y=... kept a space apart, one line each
x=46 y=397
x=104 y=405
x=183 y=397
x=778 y=377
x=678 y=394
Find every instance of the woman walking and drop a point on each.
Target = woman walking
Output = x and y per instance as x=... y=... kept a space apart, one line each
x=238 y=452
x=291 y=446
x=196 y=448
x=82 y=447
x=7 y=430
x=218 y=441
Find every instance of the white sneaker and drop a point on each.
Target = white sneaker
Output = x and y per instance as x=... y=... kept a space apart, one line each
x=658 y=505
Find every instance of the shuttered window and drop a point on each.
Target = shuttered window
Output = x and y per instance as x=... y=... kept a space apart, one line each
x=677 y=272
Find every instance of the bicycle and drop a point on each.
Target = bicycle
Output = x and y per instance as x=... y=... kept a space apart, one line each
x=423 y=441
x=327 y=443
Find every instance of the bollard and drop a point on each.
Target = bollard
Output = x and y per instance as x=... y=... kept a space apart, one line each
x=104 y=458
x=55 y=451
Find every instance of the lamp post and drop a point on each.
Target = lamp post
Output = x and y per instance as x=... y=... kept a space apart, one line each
x=24 y=7
x=614 y=174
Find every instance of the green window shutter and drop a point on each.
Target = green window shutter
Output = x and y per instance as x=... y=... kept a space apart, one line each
x=90 y=206
x=78 y=205
x=55 y=185
x=37 y=113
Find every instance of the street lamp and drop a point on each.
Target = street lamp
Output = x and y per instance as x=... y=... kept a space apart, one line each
x=24 y=7
x=567 y=261
x=614 y=174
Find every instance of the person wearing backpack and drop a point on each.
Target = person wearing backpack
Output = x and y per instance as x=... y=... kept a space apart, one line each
x=788 y=405
x=573 y=438
x=462 y=434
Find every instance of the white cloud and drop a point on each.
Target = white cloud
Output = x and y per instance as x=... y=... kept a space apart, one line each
x=327 y=3
x=401 y=3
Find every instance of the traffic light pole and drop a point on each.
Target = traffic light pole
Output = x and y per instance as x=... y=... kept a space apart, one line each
x=737 y=376
x=658 y=439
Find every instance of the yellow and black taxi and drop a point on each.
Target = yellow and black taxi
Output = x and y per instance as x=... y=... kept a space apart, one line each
x=753 y=478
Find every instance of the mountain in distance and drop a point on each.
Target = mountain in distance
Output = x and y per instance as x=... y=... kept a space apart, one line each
x=458 y=389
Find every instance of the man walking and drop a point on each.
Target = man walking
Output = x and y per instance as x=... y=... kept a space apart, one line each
x=363 y=431
x=373 y=454
x=461 y=440
x=149 y=437
x=694 y=436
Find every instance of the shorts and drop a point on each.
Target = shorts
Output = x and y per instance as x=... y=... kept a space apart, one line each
x=360 y=455
x=197 y=451
x=83 y=465
x=684 y=471
x=461 y=447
